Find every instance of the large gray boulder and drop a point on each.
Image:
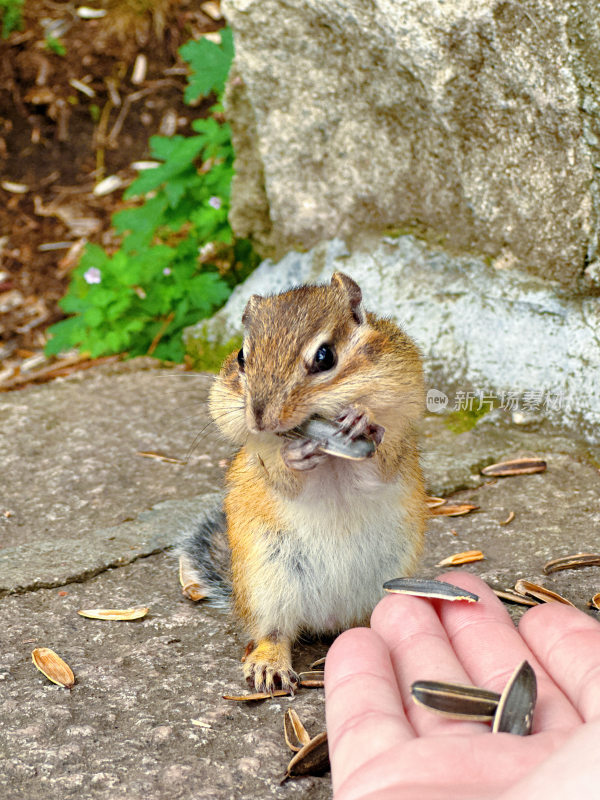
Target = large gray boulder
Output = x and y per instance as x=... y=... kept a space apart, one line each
x=472 y=123
x=488 y=337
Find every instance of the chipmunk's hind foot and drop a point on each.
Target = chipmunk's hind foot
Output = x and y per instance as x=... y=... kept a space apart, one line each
x=269 y=666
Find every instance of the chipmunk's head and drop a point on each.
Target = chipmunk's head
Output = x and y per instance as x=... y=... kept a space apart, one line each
x=298 y=353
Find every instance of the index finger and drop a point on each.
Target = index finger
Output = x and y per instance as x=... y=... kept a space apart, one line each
x=364 y=709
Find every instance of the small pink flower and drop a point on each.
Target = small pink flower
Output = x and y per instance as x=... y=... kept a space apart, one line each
x=167 y=271
x=215 y=202
x=93 y=275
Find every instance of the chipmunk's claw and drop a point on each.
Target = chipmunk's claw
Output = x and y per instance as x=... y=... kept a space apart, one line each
x=302 y=454
x=355 y=421
x=269 y=666
x=263 y=676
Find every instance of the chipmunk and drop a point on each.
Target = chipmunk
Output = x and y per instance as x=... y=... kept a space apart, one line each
x=312 y=537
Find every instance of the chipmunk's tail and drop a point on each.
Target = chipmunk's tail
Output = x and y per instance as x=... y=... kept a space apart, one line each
x=205 y=557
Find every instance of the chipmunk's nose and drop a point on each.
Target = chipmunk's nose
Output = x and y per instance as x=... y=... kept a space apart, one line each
x=258 y=410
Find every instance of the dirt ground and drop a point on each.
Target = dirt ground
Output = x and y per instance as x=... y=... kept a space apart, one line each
x=68 y=120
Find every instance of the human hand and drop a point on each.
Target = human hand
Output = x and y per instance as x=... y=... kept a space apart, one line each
x=385 y=747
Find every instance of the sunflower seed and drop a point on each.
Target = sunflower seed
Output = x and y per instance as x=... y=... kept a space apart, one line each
x=572 y=562
x=515 y=708
x=595 y=602
x=333 y=440
x=518 y=466
x=422 y=587
x=320 y=662
x=455 y=700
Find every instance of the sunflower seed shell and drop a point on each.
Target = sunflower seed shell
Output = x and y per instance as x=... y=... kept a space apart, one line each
x=312 y=759
x=540 y=593
x=518 y=466
x=455 y=700
x=53 y=667
x=513 y=597
x=572 y=562
x=434 y=502
x=296 y=735
x=515 y=708
x=458 y=559
x=115 y=614
x=249 y=698
x=453 y=510
x=422 y=587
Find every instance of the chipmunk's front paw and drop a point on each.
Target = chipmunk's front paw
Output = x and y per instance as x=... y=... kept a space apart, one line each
x=302 y=454
x=266 y=677
x=355 y=422
x=269 y=667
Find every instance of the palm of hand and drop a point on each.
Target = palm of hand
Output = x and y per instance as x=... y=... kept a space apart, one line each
x=384 y=746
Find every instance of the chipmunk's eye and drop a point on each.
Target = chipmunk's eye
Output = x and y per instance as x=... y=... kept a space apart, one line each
x=325 y=359
x=241 y=360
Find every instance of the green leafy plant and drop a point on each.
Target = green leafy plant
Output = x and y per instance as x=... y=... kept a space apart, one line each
x=55 y=45
x=11 y=16
x=178 y=257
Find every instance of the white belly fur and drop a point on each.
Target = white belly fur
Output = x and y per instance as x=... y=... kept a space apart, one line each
x=341 y=539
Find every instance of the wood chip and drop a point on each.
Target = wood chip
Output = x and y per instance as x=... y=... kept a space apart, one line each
x=513 y=597
x=540 y=593
x=576 y=561
x=510 y=518
x=453 y=510
x=518 y=466
x=53 y=667
x=115 y=614
x=312 y=759
x=434 y=502
x=85 y=12
x=138 y=74
x=296 y=735
x=82 y=87
x=14 y=188
x=249 y=698
x=422 y=587
x=461 y=558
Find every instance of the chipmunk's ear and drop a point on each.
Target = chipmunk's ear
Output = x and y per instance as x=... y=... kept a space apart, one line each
x=352 y=291
x=251 y=308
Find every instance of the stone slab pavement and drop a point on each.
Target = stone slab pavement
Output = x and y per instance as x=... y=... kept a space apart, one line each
x=87 y=522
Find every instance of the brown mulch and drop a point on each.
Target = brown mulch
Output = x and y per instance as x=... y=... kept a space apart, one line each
x=67 y=122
